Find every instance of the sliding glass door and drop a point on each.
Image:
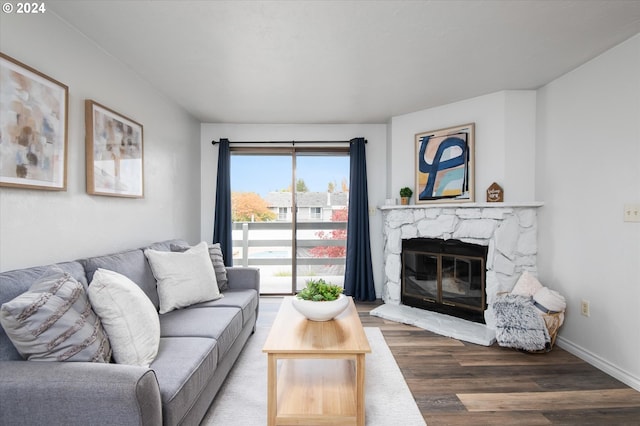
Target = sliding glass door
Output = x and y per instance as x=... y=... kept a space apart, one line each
x=289 y=210
x=321 y=220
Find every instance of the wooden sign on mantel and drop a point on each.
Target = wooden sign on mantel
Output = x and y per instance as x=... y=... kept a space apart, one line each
x=495 y=194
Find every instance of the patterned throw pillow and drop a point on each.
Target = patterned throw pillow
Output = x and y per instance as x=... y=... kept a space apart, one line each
x=217 y=260
x=54 y=321
x=215 y=253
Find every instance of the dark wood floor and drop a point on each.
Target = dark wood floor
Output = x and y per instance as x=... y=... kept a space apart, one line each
x=459 y=383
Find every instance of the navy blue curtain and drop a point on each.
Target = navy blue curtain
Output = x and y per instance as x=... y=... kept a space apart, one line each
x=358 y=275
x=222 y=220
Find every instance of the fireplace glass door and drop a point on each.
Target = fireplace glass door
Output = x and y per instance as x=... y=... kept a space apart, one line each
x=461 y=281
x=421 y=275
x=450 y=284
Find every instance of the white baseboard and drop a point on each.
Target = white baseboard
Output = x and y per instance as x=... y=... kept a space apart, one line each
x=601 y=364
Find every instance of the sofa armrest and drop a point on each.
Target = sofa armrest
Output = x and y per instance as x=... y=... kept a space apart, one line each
x=78 y=393
x=243 y=277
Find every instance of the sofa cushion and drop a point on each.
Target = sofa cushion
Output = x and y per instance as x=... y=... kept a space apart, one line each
x=128 y=316
x=245 y=299
x=132 y=264
x=184 y=366
x=183 y=278
x=215 y=254
x=14 y=283
x=165 y=245
x=221 y=323
x=53 y=321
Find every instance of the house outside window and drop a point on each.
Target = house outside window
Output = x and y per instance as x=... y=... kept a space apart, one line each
x=315 y=212
x=282 y=213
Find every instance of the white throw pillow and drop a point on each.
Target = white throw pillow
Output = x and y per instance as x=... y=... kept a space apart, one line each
x=527 y=285
x=128 y=316
x=183 y=278
x=217 y=260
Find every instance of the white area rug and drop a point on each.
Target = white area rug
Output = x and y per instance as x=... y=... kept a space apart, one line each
x=242 y=401
x=445 y=325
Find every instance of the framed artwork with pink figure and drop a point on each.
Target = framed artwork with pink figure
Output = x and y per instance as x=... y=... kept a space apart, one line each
x=444 y=165
x=33 y=128
x=114 y=153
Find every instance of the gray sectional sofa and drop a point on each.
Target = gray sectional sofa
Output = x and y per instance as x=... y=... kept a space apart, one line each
x=198 y=346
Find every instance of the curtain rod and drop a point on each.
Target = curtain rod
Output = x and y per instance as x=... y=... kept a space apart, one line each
x=283 y=142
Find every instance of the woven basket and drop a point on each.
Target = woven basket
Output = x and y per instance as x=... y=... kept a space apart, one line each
x=553 y=323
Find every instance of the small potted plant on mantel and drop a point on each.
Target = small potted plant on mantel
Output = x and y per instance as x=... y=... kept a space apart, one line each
x=320 y=301
x=405 y=195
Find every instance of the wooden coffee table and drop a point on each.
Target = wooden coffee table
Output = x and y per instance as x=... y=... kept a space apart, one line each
x=315 y=371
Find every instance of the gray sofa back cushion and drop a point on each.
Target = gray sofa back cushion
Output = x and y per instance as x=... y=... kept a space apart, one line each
x=132 y=264
x=166 y=245
x=14 y=283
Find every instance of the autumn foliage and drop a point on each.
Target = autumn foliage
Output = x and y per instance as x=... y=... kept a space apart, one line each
x=250 y=207
x=336 y=234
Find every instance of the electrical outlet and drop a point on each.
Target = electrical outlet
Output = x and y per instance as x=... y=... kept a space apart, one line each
x=584 y=308
x=632 y=212
x=372 y=211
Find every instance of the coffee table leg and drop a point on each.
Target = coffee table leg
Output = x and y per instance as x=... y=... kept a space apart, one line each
x=360 y=369
x=272 y=389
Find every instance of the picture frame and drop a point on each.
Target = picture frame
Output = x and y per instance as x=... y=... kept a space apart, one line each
x=445 y=165
x=114 y=153
x=33 y=128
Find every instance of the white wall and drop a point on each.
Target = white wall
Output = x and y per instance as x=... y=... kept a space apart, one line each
x=40 y=227
x=587 y=168
x=376 y=173
x=504 y=141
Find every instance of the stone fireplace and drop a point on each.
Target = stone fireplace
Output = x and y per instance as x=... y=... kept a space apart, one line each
x=508 y=231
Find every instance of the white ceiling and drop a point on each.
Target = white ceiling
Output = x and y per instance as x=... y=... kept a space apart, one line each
x=346 y=61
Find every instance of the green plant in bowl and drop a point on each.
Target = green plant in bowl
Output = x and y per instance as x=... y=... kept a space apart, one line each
x=319 y=290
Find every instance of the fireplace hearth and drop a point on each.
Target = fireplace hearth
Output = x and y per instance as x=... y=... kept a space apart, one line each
x=445 y=276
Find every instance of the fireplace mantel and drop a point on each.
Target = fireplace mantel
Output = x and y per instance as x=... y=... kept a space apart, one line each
x=463 y=205
x=508 y=229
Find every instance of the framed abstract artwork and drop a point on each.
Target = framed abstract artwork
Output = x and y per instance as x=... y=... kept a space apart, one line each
x=33 y=128
x=444 y=165
x=114 y=153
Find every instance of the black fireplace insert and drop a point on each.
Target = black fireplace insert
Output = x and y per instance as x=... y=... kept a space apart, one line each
x=445 y=276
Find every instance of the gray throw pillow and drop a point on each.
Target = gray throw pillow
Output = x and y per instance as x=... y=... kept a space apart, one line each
x=54 y=321
x=215 y=253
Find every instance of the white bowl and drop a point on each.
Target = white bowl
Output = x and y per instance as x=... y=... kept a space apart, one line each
x=321 y=311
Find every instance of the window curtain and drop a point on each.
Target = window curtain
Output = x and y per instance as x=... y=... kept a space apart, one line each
x=222 y=221
x=358 y=276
